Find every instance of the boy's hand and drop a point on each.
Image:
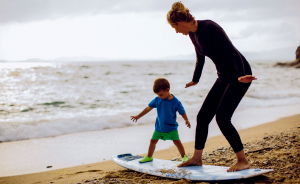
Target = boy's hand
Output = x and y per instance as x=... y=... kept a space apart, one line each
x=188 y=124
x=134 y=118
x=145 y=111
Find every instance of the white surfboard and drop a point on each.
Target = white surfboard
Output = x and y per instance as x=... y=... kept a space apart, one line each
x=169 y=169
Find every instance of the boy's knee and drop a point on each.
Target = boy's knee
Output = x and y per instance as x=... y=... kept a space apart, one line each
x=153 y=141
x=176 y=142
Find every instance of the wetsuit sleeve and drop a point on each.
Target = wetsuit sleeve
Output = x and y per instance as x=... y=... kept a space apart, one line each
x=239 y=65
x=198 y=67
x=152 y=103
x=222 y=41
x=180 y=108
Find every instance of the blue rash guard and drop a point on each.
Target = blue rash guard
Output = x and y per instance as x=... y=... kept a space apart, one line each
x=166 y=113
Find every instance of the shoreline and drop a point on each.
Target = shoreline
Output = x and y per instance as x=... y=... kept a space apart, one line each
x=35 y=155
x=82 y=173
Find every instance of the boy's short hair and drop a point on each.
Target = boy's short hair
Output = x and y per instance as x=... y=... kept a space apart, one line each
x=161 y=84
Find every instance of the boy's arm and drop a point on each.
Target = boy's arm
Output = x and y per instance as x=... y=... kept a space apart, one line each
x=187 y=122
x=145 y=111
x=183 y=114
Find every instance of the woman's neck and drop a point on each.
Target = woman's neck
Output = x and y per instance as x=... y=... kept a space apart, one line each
x=194 y=26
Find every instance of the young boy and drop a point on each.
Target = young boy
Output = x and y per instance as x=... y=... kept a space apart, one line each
x=165 y=126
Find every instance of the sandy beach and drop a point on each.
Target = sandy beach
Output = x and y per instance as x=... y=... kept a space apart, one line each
x=271 y=145
x=77 y=80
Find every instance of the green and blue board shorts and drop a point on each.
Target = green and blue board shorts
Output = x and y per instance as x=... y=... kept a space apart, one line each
x=172 y=135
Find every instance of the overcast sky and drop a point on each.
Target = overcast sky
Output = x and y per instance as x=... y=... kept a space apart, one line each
x=131 y=29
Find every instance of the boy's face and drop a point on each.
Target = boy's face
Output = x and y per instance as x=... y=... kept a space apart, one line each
x=164 y=94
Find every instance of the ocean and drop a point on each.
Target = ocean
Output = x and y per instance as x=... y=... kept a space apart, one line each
x=45 y=99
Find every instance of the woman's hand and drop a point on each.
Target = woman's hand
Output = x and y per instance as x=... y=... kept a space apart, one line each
x=190 y=84
x=246 y=78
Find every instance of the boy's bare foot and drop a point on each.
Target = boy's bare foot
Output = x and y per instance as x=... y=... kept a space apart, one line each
x=240 y=165
x=191 y=162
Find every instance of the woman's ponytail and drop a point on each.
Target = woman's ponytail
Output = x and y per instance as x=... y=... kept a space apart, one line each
x=179 y=13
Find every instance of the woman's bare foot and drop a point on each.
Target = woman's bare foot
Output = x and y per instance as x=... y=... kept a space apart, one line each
x=191 y=162
x=240 y=165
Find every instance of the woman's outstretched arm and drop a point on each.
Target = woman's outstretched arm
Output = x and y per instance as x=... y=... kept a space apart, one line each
x=198 y=67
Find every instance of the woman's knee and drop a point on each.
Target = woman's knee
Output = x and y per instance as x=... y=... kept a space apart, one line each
x=222 y=119
x=202 y=119
x=201 y=126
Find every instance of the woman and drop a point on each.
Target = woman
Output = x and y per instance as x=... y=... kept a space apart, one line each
x=234 y=79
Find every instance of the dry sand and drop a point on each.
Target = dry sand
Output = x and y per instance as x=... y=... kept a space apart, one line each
x=273 y=145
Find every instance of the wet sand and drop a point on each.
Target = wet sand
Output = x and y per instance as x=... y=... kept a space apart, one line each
x=273 y=145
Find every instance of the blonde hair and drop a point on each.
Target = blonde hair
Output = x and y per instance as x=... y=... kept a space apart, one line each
x=179 y=13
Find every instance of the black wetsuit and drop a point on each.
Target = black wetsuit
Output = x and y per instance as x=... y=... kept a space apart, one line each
x=210 y=40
